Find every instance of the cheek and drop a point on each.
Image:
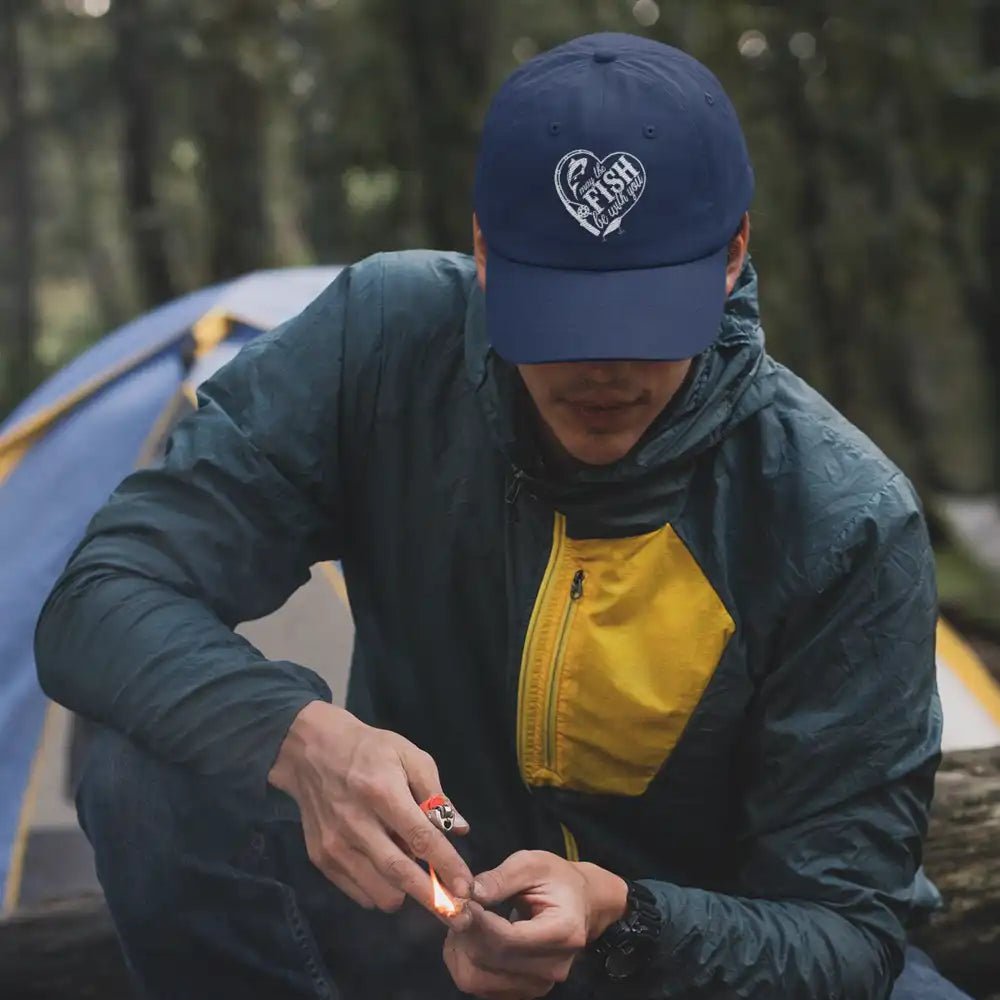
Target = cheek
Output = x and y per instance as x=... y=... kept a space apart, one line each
x=664 y=388
x=543 y=394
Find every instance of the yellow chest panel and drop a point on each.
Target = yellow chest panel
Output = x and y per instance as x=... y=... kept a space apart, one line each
x=624 y=637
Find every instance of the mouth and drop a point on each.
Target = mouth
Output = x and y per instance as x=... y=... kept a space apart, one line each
x=603 y=416
x=602 y=413
x=602 y=404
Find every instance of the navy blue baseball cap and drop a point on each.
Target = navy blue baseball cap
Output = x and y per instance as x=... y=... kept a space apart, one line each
x=612 y=175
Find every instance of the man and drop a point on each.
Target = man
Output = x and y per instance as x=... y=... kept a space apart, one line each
x=655 y=617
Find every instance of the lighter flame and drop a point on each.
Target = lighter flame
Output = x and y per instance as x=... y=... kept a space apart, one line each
x=443 y=903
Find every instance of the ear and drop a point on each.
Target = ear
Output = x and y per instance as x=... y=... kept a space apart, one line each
x=737 y=254
x=479 y=245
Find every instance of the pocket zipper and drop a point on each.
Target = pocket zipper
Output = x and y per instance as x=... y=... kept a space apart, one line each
x=569 y=843
x=575 y=593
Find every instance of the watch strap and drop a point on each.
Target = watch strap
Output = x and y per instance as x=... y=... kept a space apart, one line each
x=629 y=943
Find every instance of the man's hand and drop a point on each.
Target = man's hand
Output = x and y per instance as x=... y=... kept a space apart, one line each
x=358 y=788
x=564 y=905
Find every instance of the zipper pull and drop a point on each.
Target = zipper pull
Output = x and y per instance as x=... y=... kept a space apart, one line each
x=514 y=487
x=576 y=588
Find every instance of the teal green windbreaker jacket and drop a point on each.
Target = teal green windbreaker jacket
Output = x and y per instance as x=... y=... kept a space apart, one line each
x=709 y=666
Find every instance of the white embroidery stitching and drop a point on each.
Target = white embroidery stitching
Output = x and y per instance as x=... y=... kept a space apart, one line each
x=599 y=193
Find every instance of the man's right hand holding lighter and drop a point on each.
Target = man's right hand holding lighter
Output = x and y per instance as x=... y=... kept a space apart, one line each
x=357 y=788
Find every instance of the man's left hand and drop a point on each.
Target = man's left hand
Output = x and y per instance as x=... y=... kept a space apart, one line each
x=563 y=906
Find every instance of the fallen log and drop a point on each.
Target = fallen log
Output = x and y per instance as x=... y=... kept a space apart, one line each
x=963 y=858
x=69 y=950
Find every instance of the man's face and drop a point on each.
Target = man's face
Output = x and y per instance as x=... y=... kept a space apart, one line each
x=596 y=411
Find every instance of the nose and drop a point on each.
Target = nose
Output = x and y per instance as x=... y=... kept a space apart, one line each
x=605 y=372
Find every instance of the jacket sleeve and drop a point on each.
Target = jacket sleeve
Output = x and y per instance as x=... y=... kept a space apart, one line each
x=137 y=633
x=839 y=767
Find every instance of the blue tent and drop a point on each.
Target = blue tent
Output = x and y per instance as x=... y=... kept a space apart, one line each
x=66 y=447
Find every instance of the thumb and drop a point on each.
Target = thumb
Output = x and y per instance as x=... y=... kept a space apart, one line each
x=468 y=916
x=518 y=872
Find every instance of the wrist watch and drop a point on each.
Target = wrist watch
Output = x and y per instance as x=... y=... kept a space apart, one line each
x=627 y=945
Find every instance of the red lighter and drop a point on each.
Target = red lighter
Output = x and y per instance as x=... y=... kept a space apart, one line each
x=440 y=812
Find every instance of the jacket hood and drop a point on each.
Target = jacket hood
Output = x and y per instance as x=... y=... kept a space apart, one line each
x=729 y=382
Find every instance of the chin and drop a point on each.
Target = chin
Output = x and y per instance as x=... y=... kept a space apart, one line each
x=600 y=452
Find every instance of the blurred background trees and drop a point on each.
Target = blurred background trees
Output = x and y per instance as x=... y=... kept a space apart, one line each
x=148 y=147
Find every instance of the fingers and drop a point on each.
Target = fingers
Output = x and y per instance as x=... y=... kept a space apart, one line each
x=423 y=840
x=471 y=978
x=444 y=815
x=385 y=872
x=499 y=985
x=356 y=798
x=382 y=891
x=421 y=771
x=388 y=794
x=349 y=866
x=350 y=888
x=519 y=872
x=425 y=782
x=553 y=967
x=396 y=807
x=546 y=951
x=388 y=874
x=335 y=873
x=551 y=932
x=462 y=920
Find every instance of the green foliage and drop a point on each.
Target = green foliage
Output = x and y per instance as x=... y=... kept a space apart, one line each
x=325 y=130
x=968 y=590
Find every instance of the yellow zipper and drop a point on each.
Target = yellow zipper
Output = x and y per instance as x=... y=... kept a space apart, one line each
x=569 y=841
x=575 y=593
x=558 y=534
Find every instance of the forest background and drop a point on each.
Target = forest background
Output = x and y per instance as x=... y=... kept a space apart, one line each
x=151 y=147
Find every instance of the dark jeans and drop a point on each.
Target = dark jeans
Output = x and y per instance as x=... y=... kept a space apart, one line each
x=216 y=898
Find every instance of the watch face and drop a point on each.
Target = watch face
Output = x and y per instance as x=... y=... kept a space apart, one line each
x=628 y=944
x=621 y=962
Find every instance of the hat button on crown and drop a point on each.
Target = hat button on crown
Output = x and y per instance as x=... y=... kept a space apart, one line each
x=604 y=56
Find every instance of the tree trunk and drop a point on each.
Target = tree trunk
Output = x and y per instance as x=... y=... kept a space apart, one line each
x=833 y=321
x=445 y=57
x=145 y=222
x=989 y=312
x=230 y=106
x=20 y=374
x=963 y=859
x=896 y=360
x=94 y=241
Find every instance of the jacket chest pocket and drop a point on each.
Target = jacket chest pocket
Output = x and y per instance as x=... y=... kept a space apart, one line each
x=624 y=637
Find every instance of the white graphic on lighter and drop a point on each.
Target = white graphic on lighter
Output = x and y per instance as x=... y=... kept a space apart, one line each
x=599 y=193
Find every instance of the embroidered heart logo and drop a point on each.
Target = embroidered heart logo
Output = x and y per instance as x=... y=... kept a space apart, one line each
x=599 y=193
